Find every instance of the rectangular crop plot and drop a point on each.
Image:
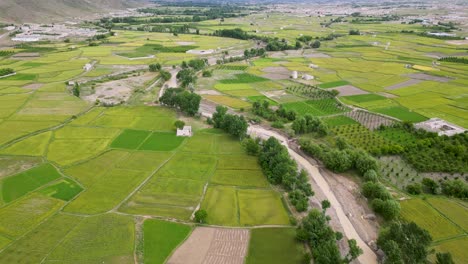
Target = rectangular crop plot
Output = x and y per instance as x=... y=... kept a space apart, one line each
x=253 y=178
x=401 y=113
x=35 y=246
x=20 y=184
x=161 y=238
x=244 y=78
x=365 y=98
x=221 y=204
x=333 y=84
x=107 y=238
x=428 y=218
x=130 y=139
x=238 y=162
x=457 y=248
x=451 y=209
x=274 y=246
x=339 y=121
x=162 y=141
x=65 y=190
x=23 y=215
x=268 y=208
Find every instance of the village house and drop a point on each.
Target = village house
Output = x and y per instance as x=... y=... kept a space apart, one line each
x=184 y=132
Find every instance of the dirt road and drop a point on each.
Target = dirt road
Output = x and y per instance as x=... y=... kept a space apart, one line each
x=350 y=232
x=171 y=83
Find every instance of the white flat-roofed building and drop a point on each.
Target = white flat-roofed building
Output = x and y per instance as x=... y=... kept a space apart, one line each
x=184 y=132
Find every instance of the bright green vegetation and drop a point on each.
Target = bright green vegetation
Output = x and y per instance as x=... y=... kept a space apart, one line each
x=339 y=121
x=274 y=245
x=361 y=137
x=20 y=184
x=430 y=219
x=401 y=113
x=150 y=49
x=452 y=210
x=107 y=188
x=321 y=107
x=109 y=238
x=364 y=98
x=130 y=139
x=162 y=141
x=161 y=238
x=243 y=78
x=333 y=84
x=65 y=189
x=230 y=67
x=456 y=247
x=253 y=178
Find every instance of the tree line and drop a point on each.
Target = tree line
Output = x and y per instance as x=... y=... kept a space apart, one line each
x=236 y=125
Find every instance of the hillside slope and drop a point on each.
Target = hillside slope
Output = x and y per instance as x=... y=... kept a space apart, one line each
x=56 y=10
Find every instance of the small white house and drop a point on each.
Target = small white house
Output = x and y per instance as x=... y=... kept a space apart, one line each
x=294 y=75
x=307 y=77
x=185 y=132
x=88 y=67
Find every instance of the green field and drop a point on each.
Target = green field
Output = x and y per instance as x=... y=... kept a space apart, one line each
x=161 y=238
x=274 y=245
x=20 y=184
x=428 y=218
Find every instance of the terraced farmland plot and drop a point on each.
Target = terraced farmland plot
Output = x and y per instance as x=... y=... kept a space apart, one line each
x=32 y=146
x=161 y=238
x=98 y=239
x=174 y=191
x=274 y=245
x=112 y=187
x=37 y=245
x=20 y=184
x=401 y=113
x=244 y=78
x=428 y=218
x=321 y=107
x=25 y=214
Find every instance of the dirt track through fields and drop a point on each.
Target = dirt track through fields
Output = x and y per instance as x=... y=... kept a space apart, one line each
x=368 y=257
x=207 y=245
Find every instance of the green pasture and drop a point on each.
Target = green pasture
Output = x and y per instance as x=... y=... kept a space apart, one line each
x=97 y=239
x=274 y=245
x=427 y=217
x=161 y=238
x=20 y=184
x=65 y=189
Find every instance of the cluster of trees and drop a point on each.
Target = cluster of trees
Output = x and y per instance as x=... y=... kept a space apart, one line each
x=463 y=60
x=262 y=108
x=236 y=33
x=280 y=169
x=310 y=124
x=6 y=71
x=235 y=125
x=156 y=67
x=186 y=101
x=272 y=44
x=188 y=74
x=6 y=53
x=254 y=53
x=197 y=15
x=345 y=158
x=452 y=188
x=307 y=41
x=196 y=64
x=405 y=242
x=76 y=90
x=316 y=231
x=354 y=32
x=428 y=152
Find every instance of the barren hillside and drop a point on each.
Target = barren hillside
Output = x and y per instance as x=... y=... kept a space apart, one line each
x=47 y=10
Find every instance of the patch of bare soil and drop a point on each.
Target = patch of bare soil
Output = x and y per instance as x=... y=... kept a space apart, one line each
x=356 y=208
x=347 y=90
x=276 y=55
x=33 y=86
x=114 y=92
x=403 y=84
x=200 y=52
x=209 y=92
x=458 y=42
x=185 y=43
x=26 y=55
x=213 y=246
x=313 y=54
x=11 y=165
x=427 y=77
x=276 y=73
